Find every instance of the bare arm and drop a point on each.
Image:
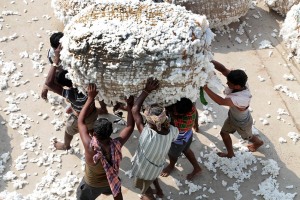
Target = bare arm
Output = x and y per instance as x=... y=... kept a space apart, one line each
x=216 y=98
x=83 y=131
x=49 y=82
x=152 y=84
x=126 y=132
x=221 y=68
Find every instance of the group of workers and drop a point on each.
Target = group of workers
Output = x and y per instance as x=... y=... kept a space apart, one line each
x=164 y=131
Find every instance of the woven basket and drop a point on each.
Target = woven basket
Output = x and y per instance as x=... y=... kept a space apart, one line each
x=281 y=6
x=218 y=12
x=118 y=46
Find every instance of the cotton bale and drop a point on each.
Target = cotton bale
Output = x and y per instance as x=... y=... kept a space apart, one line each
x=118 y=46
x=281 y=6
x=218 y=12
x=65 y=10
x=290 y=31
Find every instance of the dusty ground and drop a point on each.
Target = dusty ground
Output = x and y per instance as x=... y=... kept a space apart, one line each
x=258 y=63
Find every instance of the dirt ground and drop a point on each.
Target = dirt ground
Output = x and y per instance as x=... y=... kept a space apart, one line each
x=265 y=69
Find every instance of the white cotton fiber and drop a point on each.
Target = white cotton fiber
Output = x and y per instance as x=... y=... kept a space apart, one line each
x=265 y=44
x=237 y=167
x=281 y=6
x=270 y=167
x=66 y=10
x=294 y=136
x=8 y=68
x=10 y=175
x=282 y=140
x=290 y=31
x=3 y=82
x=218 y=13
x=268 y=189
x=119 y=53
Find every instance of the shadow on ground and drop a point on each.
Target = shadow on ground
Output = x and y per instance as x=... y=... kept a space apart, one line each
x=5 y=147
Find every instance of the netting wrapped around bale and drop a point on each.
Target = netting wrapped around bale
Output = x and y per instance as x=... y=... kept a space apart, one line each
x=65 y=10
x=218 y=12
x=281 y=6
x=290 y=31
x=118 y=46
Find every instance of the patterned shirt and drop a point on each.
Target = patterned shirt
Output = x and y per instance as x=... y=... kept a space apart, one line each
x=150 y=156
x=184 y=122
x=76 y=98
x=111 y=169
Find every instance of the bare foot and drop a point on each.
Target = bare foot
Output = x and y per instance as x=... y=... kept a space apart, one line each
x=167 y=170
x=60 y=145
x=253 y=147
x=194 y=173
x=147 y=197
x=221 y=154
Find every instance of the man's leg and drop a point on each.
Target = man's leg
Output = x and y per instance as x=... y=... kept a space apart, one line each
x=256 y=143
x=191 y=157
x=158 y=191
x=168 y=169
x=119 y=196
x=82 y=191
x=228 y=144
x=67 y=143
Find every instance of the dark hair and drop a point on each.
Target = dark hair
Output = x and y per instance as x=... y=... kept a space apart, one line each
x=237 y=77
x=183 y=106
x=103 y=128
x=54 y=39
x=62 y=80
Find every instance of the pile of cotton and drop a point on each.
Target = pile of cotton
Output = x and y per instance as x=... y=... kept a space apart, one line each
x=118 y=46
x=218 y=12
x=290 y=31
x=268 y=189
x=281 y=6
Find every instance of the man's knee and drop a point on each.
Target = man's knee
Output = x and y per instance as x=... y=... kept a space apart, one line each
x=222 y=133
x=173 y=157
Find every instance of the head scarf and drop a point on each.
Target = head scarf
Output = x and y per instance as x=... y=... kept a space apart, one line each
x=156 y=120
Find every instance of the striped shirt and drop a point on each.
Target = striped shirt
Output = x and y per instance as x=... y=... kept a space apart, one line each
x=150 y=156
x=76 y=99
